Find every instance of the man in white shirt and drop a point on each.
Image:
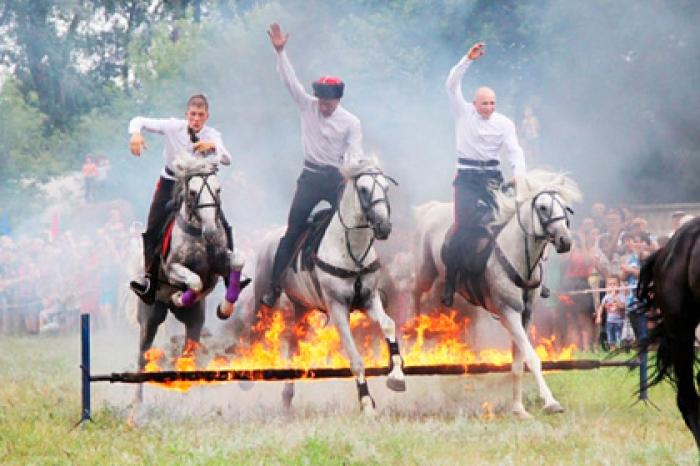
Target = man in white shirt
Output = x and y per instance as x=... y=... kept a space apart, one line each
x=191 y=136
x=330 y=135
x=480 y=135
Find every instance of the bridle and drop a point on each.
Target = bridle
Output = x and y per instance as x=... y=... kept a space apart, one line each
x=193 y=204
x=546 y=218
x=367 y=203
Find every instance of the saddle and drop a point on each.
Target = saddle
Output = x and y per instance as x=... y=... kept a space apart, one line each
x=310 y=240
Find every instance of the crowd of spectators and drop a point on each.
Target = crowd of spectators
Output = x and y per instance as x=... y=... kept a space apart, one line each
x=595 y=299
x=47 y=280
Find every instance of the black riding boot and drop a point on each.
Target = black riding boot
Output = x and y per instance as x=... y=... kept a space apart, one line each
x=146 y=290
x=282 y=258
x=448 y=291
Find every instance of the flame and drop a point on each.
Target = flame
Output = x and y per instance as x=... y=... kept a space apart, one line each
x=427 y=339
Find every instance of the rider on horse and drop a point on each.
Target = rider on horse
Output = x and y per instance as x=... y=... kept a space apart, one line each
x=330 y=135
x=480 y=133
x=191 y=136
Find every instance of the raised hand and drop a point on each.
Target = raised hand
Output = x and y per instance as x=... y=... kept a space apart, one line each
x=477 y=50
x=278 y=39
x=204 y=147
x=137 y=144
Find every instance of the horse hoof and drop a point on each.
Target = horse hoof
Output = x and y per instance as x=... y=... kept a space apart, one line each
x=522 y=415
x=553 y=408
x=367 y=405
x=396 y=385
x=222 y=314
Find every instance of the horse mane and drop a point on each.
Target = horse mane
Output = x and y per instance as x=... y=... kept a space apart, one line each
x=359 y=165
x=528 y=186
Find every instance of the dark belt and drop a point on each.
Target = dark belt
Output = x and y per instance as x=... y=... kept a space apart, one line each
x=319 y=168
x=478 y=163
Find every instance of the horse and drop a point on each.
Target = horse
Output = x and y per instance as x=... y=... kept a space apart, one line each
x=669 y=280
x=523 y=226
x=196 y=257
x=345 y=272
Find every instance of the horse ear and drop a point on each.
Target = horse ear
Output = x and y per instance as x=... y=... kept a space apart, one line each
x=179 y=167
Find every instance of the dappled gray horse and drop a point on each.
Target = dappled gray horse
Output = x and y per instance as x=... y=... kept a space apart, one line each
x=194 y=256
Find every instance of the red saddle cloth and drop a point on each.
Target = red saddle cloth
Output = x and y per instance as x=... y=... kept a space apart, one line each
x=165 y=246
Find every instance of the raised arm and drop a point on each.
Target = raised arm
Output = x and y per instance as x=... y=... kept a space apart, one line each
x=453 y=84
x=285 y=69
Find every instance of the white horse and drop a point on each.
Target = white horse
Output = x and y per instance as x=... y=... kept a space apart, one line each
x=345 y=273
x=536 y=216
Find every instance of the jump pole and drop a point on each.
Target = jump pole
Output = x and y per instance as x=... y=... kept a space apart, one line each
x=85 y=367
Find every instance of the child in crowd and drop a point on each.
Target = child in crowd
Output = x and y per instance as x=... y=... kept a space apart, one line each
x=614 y=305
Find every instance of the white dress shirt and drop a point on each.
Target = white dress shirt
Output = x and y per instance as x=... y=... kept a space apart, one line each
x=177 y=139
x=326 y=140
x=476 y=137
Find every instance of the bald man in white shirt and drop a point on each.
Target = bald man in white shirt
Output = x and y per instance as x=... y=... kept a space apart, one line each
x=330 y=135
x=481 y=134
x=191 y=136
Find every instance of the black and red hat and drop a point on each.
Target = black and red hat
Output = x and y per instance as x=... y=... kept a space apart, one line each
x=328 y=87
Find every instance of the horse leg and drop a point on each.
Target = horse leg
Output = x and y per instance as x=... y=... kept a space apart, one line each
x=512 y=321
x=396 y=379
x=687 y=396
x=149 y=318
x=517 y=370
x=178 y=273
x=193 y=319
x=233 y=288
x=292 y=349
x=339 y=317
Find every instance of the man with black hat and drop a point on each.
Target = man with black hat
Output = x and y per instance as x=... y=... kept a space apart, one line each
x=190 y=136
x=330 y=136
x=480 y=133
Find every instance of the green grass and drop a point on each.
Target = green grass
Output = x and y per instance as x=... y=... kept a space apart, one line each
x=40 y=403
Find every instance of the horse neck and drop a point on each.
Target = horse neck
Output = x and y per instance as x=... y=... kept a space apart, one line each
x=516 y=244
x=358 y=240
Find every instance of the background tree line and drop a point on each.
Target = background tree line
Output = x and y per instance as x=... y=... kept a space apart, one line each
x=610 y=80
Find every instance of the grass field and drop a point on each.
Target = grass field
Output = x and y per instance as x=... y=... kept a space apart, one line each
x=438 y=421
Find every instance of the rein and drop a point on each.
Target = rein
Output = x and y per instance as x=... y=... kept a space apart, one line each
x=366 y=202
x=529 y=283
x=193 y=206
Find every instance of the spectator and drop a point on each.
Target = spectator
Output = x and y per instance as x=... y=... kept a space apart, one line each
x=676 y=221
x=579 y=318
x=612 y=310
x=598 y=215
x=90 y=174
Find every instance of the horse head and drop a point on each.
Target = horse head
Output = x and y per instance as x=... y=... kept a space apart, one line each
x=371 y=193
x=542 y=207
x=198 y=193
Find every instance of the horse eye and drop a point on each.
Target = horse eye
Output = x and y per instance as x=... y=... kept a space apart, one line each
x=543 y=208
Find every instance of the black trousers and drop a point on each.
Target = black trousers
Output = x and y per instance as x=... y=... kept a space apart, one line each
x=158 y=214
x=473 y=205
x=312 y=188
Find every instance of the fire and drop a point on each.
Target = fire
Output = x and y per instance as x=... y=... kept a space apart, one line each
x=433 y=339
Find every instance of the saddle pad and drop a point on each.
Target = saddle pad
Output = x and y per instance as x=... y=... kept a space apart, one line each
x=310 y=240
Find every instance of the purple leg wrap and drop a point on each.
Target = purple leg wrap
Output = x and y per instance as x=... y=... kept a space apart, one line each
x=188 y=298
x=234 y=286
